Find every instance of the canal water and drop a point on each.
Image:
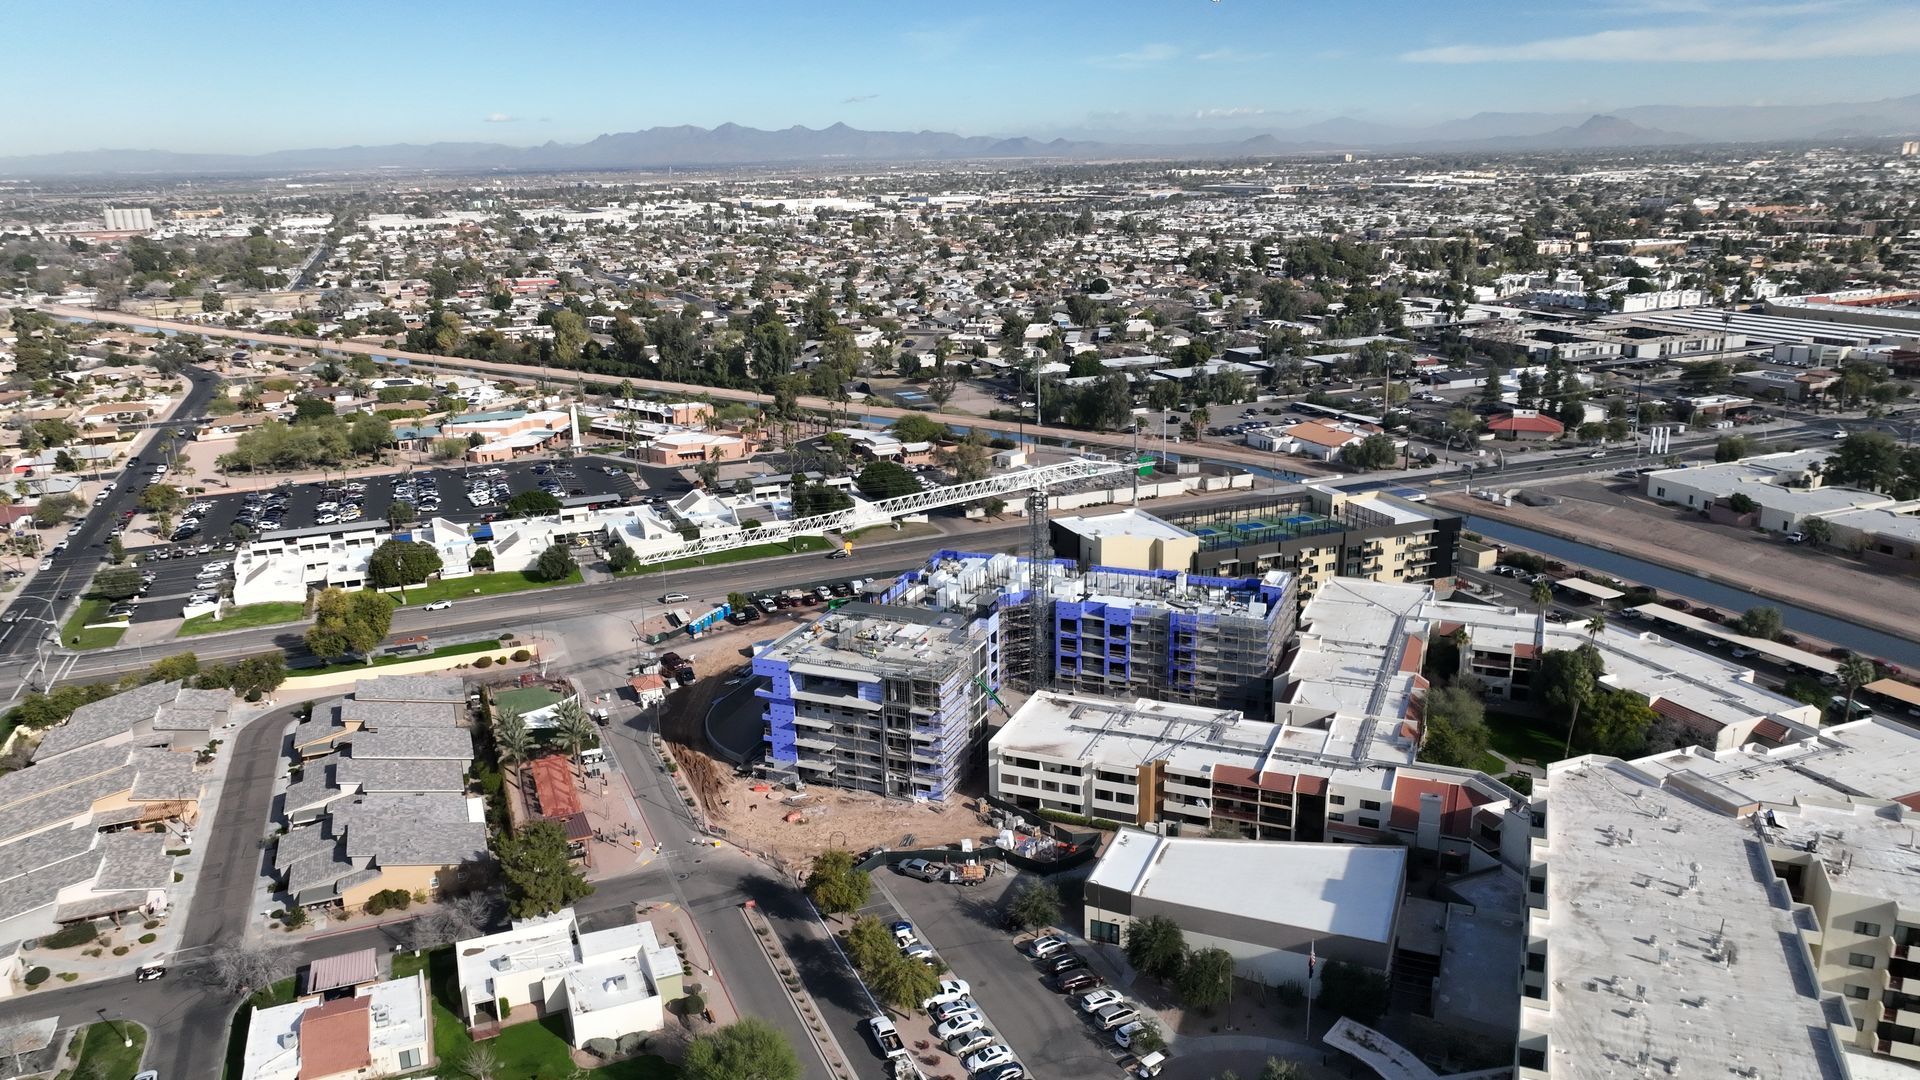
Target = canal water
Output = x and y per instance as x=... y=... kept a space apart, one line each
x=1799 y=620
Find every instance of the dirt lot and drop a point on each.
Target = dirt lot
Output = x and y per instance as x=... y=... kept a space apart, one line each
x=830 y=819
x=1605 y=517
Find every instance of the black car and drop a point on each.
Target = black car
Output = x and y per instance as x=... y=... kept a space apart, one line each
x=148 y=974
x=1059 y=965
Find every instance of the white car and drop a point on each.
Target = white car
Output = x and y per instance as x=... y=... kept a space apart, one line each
x=673 y=598
x=438 y=605
x=46 y=563
x=950 y=990
x=949 y=1009
x=982 y=1060
x=919 y=950
x=1042 y=947
x=959 y=1025
x=1098 y=999
x=1129 y=1032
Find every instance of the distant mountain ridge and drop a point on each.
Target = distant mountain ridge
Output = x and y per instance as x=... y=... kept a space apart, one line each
x=733 y=144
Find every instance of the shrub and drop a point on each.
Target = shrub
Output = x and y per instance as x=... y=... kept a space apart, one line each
x=500 y=660
x=68 y=936
x=506 y=1008
x=38 y=975
x=521 y=656
x=294 y=918
x=121 y=950
x=148 y=939
x=485 y=661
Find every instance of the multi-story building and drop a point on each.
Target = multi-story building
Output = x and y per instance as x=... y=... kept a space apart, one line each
x=1707 y=912
x=1111 y=631
x=888 y=700
x=1317 y=534
x=1191 y=770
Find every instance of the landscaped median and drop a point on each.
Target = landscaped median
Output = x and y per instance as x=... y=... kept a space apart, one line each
x=78 y=634
x=799 y=545
x=245 y=617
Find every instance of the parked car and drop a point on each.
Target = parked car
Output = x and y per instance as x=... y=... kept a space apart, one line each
x=1097 y=1000
x=919 y=950
x=992 y=1057
x=673 y=598
x=1126 y=1033
x=1063 y=963
x=1012 y=1070
x=968 y=1041
x=946 y=1010
x=950 y=990
x=960 y=1025
x=918 y=868
x=1077 y=980
x=1042 y=947
x=438 y=605
x=149 y=973
x=1114 y=1015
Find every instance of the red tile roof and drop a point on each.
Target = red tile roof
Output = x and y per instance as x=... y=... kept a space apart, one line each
x=1543 y=425
x=333 y=1038
x=553 y=786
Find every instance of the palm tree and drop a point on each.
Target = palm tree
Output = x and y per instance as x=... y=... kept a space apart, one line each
x=1596 y=626
x=511 y=739
x=1855 y=672
x=574 y=729
x=1542 y=596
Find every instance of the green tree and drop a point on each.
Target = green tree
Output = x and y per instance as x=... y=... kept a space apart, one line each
x=51 y=510
x=1761 y=622
x=747 y=1049
x=1730 y=448
x=1867 y=459
x=211 y=301
x=1156 y=946
x=116 y=550
x=573 y=730
x=1817 y=530
x=538 y=870
x=835 y=885
x=512 y=741
x=869 y=944
x=116 y=582
x=1617 y=722
x=569 y=336
x=918 y=427
x=1566 y=680
x=449 y=449
x=1037 y=904
x=480 y=558
x=1206 y=979
x=368 y=433
x=1854 y=672
x=1282 y=1069
x=903 y=982
x=1455 y=727
x=1376 y=451
x=176 y=668
x=1354 y=992
x=620 y=557
x=399 y=563
x=1541 y=595
x=886 y=480
x=556 y=563
x=400 y=512
x=345 y=623
x=532 y=504
x=260 y=674
x=162 y=501
x=307 y=410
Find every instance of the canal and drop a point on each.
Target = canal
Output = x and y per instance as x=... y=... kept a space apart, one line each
x=1799 y=620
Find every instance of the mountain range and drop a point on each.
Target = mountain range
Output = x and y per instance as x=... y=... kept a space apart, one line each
x=732 y=144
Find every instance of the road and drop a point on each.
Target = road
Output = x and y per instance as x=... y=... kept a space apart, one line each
x=47 y=596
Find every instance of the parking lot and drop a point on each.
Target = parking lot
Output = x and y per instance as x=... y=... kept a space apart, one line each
x=965 y=927
x=442 y=492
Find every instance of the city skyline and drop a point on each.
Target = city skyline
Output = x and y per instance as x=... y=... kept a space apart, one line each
x=1120 y=72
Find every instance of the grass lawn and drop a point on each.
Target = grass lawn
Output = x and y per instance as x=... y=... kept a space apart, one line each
x=279 y=993
x=103 y=1052
x=524 y=700
x=796 y=546
x=1491 y=765
x=245 y=617
x=533 y=1049
x=492 y=584
x=1525 y=738
x=77 y=636
x=908 y=530
x=387 y=661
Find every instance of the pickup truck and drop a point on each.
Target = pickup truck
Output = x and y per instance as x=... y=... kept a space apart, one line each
x=886 y=1036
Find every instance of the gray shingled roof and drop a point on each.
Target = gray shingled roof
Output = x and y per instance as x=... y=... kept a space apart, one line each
x=134 y=860
x=29 y=892
x=302 y=845
x=381 y=776
x=315 y=788
x=70 y=801
x=106 y=718
x=165 y=775
x=413 y=744
x=376 y=715
x=40 y=778
x=442 y=688
x=42 y=849
x=411 y=830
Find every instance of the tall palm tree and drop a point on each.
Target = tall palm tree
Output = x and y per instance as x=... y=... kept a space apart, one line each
x=1855 y=672
x=1596 y=626
x=1542 y=596
x=574 y=729
x=511 y=739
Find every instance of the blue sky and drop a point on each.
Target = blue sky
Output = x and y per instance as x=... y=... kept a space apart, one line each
x=245 y=77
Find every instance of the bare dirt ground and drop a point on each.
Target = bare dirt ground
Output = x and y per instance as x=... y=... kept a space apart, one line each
x=831 y=819
x=1820 y=580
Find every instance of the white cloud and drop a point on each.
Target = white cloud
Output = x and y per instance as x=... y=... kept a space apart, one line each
x=1144 y=56
x=858 y=98
x=500 y=118
x=1223 y=112
x=1886 y=36
x=1231 y=55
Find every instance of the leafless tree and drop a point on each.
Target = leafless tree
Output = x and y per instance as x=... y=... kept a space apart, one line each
x=16 y=1040
x=242 y=968
x=453 y=919
x=481 y=1062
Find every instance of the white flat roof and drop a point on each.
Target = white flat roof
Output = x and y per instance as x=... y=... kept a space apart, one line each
x=1349 y=890
x=1129 y=522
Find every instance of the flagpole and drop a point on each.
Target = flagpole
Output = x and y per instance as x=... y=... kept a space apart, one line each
x=1311 y=958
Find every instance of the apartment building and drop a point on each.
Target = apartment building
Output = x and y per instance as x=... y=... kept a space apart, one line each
x=1704 y=912
x=606 y=984
x=1113 y=631
x=888 y=700
x=1317 y=533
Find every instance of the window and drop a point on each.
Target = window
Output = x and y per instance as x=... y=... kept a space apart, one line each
x=1858 y=993
x=1107 y=933
x=1536 y=961
x=1867 y=929
x=1369 y=804
x=1337 y=800
x=409 y=1059
x=1369 y=822
x=1537 y=886
x=1336 y=817
x=1861 y=960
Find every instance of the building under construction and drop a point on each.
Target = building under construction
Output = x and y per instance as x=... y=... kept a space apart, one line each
x=880 y=699
x=1112 y=632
